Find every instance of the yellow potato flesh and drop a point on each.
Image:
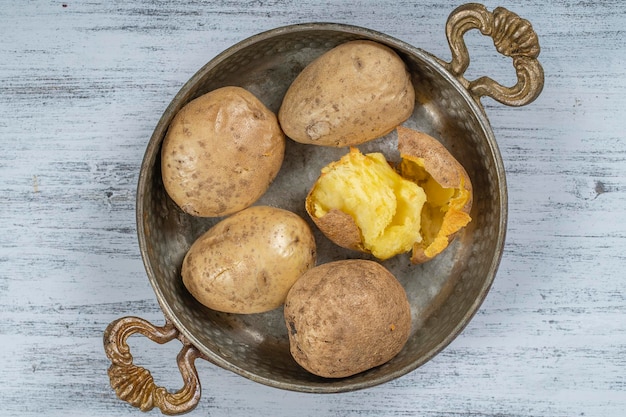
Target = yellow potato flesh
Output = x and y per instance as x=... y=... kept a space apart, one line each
x=442 y=214
x=385 y=207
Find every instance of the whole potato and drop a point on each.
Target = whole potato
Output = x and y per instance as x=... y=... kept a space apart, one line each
x=247 y=262
x=345 y=317
x=356 y=92
x=221 y=152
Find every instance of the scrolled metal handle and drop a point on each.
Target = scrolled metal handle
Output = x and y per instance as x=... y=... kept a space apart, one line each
x=134 y=384
x=512 y=36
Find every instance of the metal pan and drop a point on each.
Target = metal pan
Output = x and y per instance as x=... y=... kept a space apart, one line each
x=444 y=293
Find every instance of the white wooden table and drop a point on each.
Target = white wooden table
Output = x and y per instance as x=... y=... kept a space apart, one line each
x=82 y=85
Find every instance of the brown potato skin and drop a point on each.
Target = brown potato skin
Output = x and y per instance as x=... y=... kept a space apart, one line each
x=441 y=165
x=221 y=153
x=356 y=92
x=346 y=317
x=438 y=161
x=247 y=262
x=339 y=227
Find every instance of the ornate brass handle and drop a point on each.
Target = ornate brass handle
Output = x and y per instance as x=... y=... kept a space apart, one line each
x=512 y=36
x=135 y=384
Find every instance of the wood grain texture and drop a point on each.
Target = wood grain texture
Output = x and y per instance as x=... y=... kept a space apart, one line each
x=83 y=83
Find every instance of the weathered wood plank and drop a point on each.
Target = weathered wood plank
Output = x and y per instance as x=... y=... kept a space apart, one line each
x=84 y=83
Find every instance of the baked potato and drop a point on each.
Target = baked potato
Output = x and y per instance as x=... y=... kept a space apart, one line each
x=448 y=188
x=221 y=153
x=346 y=317
x=248 y=261
x=361 y=202
x=356 y=92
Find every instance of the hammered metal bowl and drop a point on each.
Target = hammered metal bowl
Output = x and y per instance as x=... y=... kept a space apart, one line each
x=444 y=293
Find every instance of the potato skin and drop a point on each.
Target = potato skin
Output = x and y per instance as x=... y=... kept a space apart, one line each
x=221 y=153
x=339 y=227
x=448 y=172
x=247 y=262
x=356 y=92
x=438 y=161
x=345 y=317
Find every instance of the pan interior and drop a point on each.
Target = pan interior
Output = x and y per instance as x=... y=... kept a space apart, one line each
x=444 y=293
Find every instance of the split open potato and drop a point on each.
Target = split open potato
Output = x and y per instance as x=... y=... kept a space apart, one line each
x=362 y=202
